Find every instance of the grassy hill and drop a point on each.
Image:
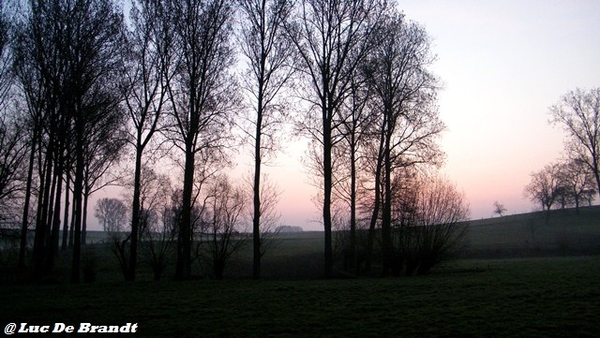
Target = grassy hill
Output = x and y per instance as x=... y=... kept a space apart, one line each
x=559 y=232
x=300 y=255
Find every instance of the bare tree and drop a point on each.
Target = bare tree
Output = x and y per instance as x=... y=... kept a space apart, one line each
x=112 y=215
x=499 y=208
x=544 y=186
x=269 y=216
x=13 y=133
x=405 y=93
x=13 y=152
x=223 y=214
x=158 y=219
x=268 y=53
x=577 y=183
x=435 y=226
x=578 y=112
x=355 y=126
x=145 y=91
x=104 y=148
x=97 y=41
x=66 y=56
x=202 y=98
x=332 y=39
x=38 y=66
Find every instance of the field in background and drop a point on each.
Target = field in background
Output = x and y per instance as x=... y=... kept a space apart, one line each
x=560 y=232
x=300 y=255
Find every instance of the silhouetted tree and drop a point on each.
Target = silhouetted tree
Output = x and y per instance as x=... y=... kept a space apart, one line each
x=499 y=208
x=158 y=219
x=405 y=94
x=269 y=58
x=544 y=186
x=355 y=127
x=333 y=39
x=578 y=113
x=66 y=54
x=202 y=97
x=104 y=147
x=223 y=212
x=146 y=71
x=434 y=224
x=93 y=58
x=577 y=183
x=38 y=67
x=112 y=215
x=13 y=133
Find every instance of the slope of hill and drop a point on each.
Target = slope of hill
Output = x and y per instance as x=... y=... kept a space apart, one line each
x=560 y=232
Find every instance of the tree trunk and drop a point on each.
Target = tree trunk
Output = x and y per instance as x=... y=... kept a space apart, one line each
x=53 y=247
x=376 y=202
x=135 y=215
x=39 y=249
x=65 y=234
x=327 y=186
x=78 y=201
x=352 y=249
x=25 y=220
x=72 y=227
x=256 y=190
x=86 y=196
x=184 y=244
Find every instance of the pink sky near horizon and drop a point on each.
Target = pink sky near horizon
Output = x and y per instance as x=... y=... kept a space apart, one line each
x=502 y=64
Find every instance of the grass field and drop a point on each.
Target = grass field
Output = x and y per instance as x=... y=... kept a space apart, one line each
x=535 y=297
x=521 y=276
x=560 y=232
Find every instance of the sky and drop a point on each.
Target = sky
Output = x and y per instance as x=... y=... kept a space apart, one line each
x=502 y=65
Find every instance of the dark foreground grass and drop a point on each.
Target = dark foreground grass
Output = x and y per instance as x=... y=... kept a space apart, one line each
x=542 y=297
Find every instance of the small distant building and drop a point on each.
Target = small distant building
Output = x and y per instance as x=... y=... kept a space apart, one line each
x=288 y=228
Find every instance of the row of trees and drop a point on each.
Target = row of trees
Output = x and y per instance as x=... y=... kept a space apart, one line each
x=575 y=180
x=217 y=219
x=566 y=184
x=90 y=89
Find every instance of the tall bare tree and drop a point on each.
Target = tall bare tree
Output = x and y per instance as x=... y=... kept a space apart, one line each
x=149 y=63
x=405 y=94
x=268 y=52
x=39 y=70
x=93 y=57
x=13 y=132
x=332 y=39
x=202 y=96
x=578 y=112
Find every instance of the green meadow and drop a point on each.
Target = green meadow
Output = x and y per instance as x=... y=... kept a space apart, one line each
x=520 y=276
x=534 y=297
